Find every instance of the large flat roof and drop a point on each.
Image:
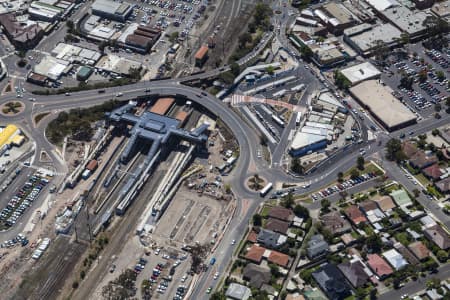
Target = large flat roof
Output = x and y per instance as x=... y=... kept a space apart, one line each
x=366 y=40
x=360 y=72
x=382 y=103
x=407 y=20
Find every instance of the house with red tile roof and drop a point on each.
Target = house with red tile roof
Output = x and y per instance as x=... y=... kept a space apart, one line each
x=419 y=250
x=432 y=172
x=379 y=266
x=255 y=253
x=278 y=258
x=355 y=215
x=277 y=225
x=252 y=236
x=281 y=213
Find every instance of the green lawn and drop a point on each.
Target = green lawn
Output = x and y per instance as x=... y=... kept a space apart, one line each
x=432 y=190
x=422 y=179
x=265 y=211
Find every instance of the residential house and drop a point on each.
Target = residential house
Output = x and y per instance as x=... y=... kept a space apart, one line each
x=379 y=266
x=238 y=292
x=281 y=213
x=271 y=239
x=432 y=172
x=409 y=148
x=335 y=223
x=255 y=253
x=406 y=253
x=444 y=185
x=395 y=259
x=401 y=197
x=367 y=205
x=419 y=250
x=316 y=246
x=355 y=215
x=256 y=275
x=421 y=160
x=332 y=282
x=278 y=258
x=295 y=296
x=385 y=203
x=355 y=271
x=252 y=236
x=276 y=225
x=439 y=236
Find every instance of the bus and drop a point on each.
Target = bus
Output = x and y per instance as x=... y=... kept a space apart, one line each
x=266 y=189
x=298 y=119
x=277 y=120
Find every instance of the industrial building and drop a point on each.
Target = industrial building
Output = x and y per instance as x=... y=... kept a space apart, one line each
x=363 y=38
x=376 y=97
x=10 y=136
x=43 y=11
x=118 y=11
x=360 y=72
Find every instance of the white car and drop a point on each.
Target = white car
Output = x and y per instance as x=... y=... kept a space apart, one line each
x=233 y=242
x=216 y=276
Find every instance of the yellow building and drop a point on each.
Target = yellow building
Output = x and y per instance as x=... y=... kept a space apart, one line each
x=10 y=135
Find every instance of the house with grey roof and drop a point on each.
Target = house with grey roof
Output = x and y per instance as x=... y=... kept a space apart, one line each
x=316 y=246
x=271 y=239
x=356 y=272
x=238 y=292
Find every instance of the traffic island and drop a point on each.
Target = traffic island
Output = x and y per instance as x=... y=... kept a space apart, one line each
x=12 y=108
x=256 y=183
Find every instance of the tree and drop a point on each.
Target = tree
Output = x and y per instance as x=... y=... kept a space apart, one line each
x=270 y=70
x=288 y=200
x=257 y=220
x=340 y=176
x=404 y=38
x=218 y=296
x=354 y=173
x=173 y=38
x=325 y=204
x=406 y=81
x=306 y=52
x=340 y=80
x=373 y=242
x=394 y=150
x=381 y=50
x=296 y=166
x=435 y=132
x=235 y=69
x=440 y=75
x=360 y=162
x=70 y=25
x=442 y=256
x=437 y=107
x=301 y=211
x=416 y=193
x=244 y=38
x=433 y=283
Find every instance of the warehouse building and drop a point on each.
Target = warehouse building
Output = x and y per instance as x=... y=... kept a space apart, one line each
x=117 y=11
x=360 y=72
x=118 y=65
x=43 y=11
x=376 y=97
x=75 y=54
x=50 y=68
x=142 y=39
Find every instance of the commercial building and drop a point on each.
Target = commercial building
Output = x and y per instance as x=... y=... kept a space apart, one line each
x=51 y=68
x=410 y=21
x=336 y=17
x=201 y=56
x=23 y=35
x=442 y=9
x=142 y=38
x=43 y=11
x=118 y=11
x=376 y=97
x=364 y=38
x=118 y=65
x=10 y=136
x=75 y=54
x=360 y=72
x=307 y=142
